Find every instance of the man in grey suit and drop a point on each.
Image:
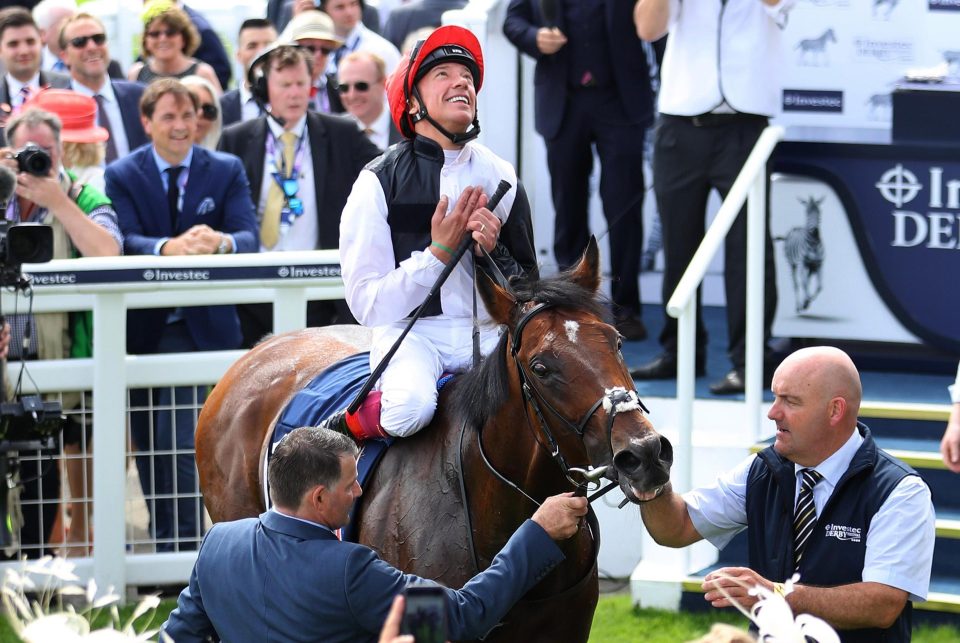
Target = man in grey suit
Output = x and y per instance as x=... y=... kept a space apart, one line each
x=301 y=583
x=21 y=54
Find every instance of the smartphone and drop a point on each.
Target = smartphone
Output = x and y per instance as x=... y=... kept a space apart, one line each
x=425 y=613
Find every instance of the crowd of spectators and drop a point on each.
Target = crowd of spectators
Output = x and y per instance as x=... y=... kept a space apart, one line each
x=115 y=135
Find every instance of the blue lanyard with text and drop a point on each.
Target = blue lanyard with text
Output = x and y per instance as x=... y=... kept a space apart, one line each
x=288 y=182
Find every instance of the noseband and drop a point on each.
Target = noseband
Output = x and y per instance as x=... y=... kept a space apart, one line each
x=614 y=401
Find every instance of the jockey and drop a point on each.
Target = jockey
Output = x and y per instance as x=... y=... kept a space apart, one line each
x=408 y=211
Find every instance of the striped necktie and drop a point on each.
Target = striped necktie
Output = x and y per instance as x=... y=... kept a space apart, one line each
x=805 y=516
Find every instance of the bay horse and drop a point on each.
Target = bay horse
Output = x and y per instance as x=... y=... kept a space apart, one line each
x=553 y=397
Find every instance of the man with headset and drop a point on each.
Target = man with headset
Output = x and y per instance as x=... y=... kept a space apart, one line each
x=407 y=212
x=300 y=164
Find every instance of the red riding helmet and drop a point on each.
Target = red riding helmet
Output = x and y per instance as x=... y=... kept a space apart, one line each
x=446 y=44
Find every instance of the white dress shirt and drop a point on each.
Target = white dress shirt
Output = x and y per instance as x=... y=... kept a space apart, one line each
x=14 y=86
x=362 y=39
x=249 y=109
x=379 y=133
x=302 y=235
x=112 y=108
x=901 y=535
x=723 y=55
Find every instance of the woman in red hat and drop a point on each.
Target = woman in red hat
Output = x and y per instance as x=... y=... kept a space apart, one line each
x=407 y=212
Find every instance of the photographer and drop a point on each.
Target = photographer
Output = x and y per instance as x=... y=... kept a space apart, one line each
x=84 y=224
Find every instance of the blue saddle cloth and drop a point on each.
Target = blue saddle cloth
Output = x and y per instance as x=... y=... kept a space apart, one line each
x=329 y=392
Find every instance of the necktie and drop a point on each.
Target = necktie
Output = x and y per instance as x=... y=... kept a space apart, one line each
x=806 y=514
x=270 y=223
x=23 y=96
x=104 y=122
x=173 y=195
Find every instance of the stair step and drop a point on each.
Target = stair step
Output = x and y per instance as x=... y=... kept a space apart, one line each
x=918 y=453
x=905 y=411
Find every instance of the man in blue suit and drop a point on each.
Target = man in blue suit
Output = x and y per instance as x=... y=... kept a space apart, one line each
x=83 y=44
x=299 y=582
x=175 y=198
x=592 y=89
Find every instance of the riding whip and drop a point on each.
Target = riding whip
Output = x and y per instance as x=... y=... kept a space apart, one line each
x=502 y=188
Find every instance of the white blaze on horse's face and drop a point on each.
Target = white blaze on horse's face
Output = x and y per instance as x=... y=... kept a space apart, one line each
x=572 y=328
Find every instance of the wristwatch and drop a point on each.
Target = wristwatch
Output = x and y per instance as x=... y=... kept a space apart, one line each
x=222 y=248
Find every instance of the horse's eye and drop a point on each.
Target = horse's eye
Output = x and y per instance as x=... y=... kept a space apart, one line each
x=619 y=342
x=539 y=369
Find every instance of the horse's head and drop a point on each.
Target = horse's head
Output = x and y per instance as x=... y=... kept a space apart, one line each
x=578 y=394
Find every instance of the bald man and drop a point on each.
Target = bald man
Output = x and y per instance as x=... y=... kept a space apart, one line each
x=870 y=549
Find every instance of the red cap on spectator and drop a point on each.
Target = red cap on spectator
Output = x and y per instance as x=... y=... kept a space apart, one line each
x=77 y=112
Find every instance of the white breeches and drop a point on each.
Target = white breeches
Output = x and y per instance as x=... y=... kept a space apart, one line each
x=409 y=384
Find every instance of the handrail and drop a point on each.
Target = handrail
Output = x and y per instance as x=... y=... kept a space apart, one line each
x=750 y=186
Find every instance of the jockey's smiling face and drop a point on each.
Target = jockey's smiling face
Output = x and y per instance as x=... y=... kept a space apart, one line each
x=449 y=95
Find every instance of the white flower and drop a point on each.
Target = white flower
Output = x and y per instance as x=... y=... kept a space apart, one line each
x=37 y=622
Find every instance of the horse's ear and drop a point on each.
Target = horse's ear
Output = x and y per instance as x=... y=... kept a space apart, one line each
x=500 y=303
x=586 y=273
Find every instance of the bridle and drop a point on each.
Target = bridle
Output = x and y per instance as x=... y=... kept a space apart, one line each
x=614 y=401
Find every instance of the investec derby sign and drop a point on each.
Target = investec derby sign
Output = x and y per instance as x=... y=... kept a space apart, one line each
x=905 y=213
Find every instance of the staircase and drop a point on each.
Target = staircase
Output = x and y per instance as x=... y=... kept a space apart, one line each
x=910 y=432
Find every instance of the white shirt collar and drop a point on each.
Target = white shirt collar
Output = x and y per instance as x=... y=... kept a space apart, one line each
x=298 y=127
x=106 y=90
x=15 y=85
x=833 y=468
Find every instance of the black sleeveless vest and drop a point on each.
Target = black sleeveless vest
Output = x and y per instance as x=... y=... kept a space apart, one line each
x=837 y=547
x=409 y=174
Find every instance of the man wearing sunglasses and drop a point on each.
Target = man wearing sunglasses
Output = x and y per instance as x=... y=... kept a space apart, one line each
x=84 y=48
x=301 y=164
x=362 y=86
x=313 y=31
x=20 y=53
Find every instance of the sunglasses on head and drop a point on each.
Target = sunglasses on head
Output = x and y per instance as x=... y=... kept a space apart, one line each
x=81 y=41
x=209 y=111
x=313 y=49
x=360 y=86
x=169 y=32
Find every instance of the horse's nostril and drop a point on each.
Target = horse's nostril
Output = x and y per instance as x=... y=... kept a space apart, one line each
x=627 y=463
x=666 y=450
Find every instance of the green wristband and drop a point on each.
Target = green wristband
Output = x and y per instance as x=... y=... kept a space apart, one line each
x=442 y=247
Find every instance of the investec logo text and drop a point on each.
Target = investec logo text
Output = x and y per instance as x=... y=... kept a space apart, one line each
x=938 y=228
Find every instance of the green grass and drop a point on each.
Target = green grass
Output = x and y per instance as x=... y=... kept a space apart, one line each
x=616 y=621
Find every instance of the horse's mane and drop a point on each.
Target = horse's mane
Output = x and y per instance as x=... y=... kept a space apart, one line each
x=482 y=391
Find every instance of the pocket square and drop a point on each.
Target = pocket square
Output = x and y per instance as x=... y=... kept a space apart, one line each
x=206 y=206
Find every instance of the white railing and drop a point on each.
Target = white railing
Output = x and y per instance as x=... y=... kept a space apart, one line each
x=750 y=187
x=110 y=287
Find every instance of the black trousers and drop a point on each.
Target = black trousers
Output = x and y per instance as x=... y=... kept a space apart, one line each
x=595 y=117
x=688 y=162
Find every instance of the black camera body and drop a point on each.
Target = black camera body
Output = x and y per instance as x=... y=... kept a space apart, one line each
x=33 y=159
x=22 y=243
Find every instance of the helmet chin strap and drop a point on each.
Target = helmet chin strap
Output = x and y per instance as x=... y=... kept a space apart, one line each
x=456 y=139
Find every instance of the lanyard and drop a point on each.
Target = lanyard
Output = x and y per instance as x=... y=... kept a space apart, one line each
x=288 y=181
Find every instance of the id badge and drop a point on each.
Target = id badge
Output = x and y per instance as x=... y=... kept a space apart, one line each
x=296 y=206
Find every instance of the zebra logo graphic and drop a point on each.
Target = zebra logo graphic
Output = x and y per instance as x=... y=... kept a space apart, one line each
x=813 y=51
x=804 y=252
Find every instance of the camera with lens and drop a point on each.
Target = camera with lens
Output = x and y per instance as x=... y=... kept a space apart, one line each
x=33 y=159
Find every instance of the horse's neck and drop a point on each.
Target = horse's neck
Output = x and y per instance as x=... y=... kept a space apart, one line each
x=512 y=449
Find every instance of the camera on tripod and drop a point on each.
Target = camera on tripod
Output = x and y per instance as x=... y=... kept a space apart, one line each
x=33 y=159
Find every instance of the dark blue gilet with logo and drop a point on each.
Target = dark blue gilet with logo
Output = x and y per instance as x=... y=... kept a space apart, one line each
x=837 y=547
x=409 y=173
